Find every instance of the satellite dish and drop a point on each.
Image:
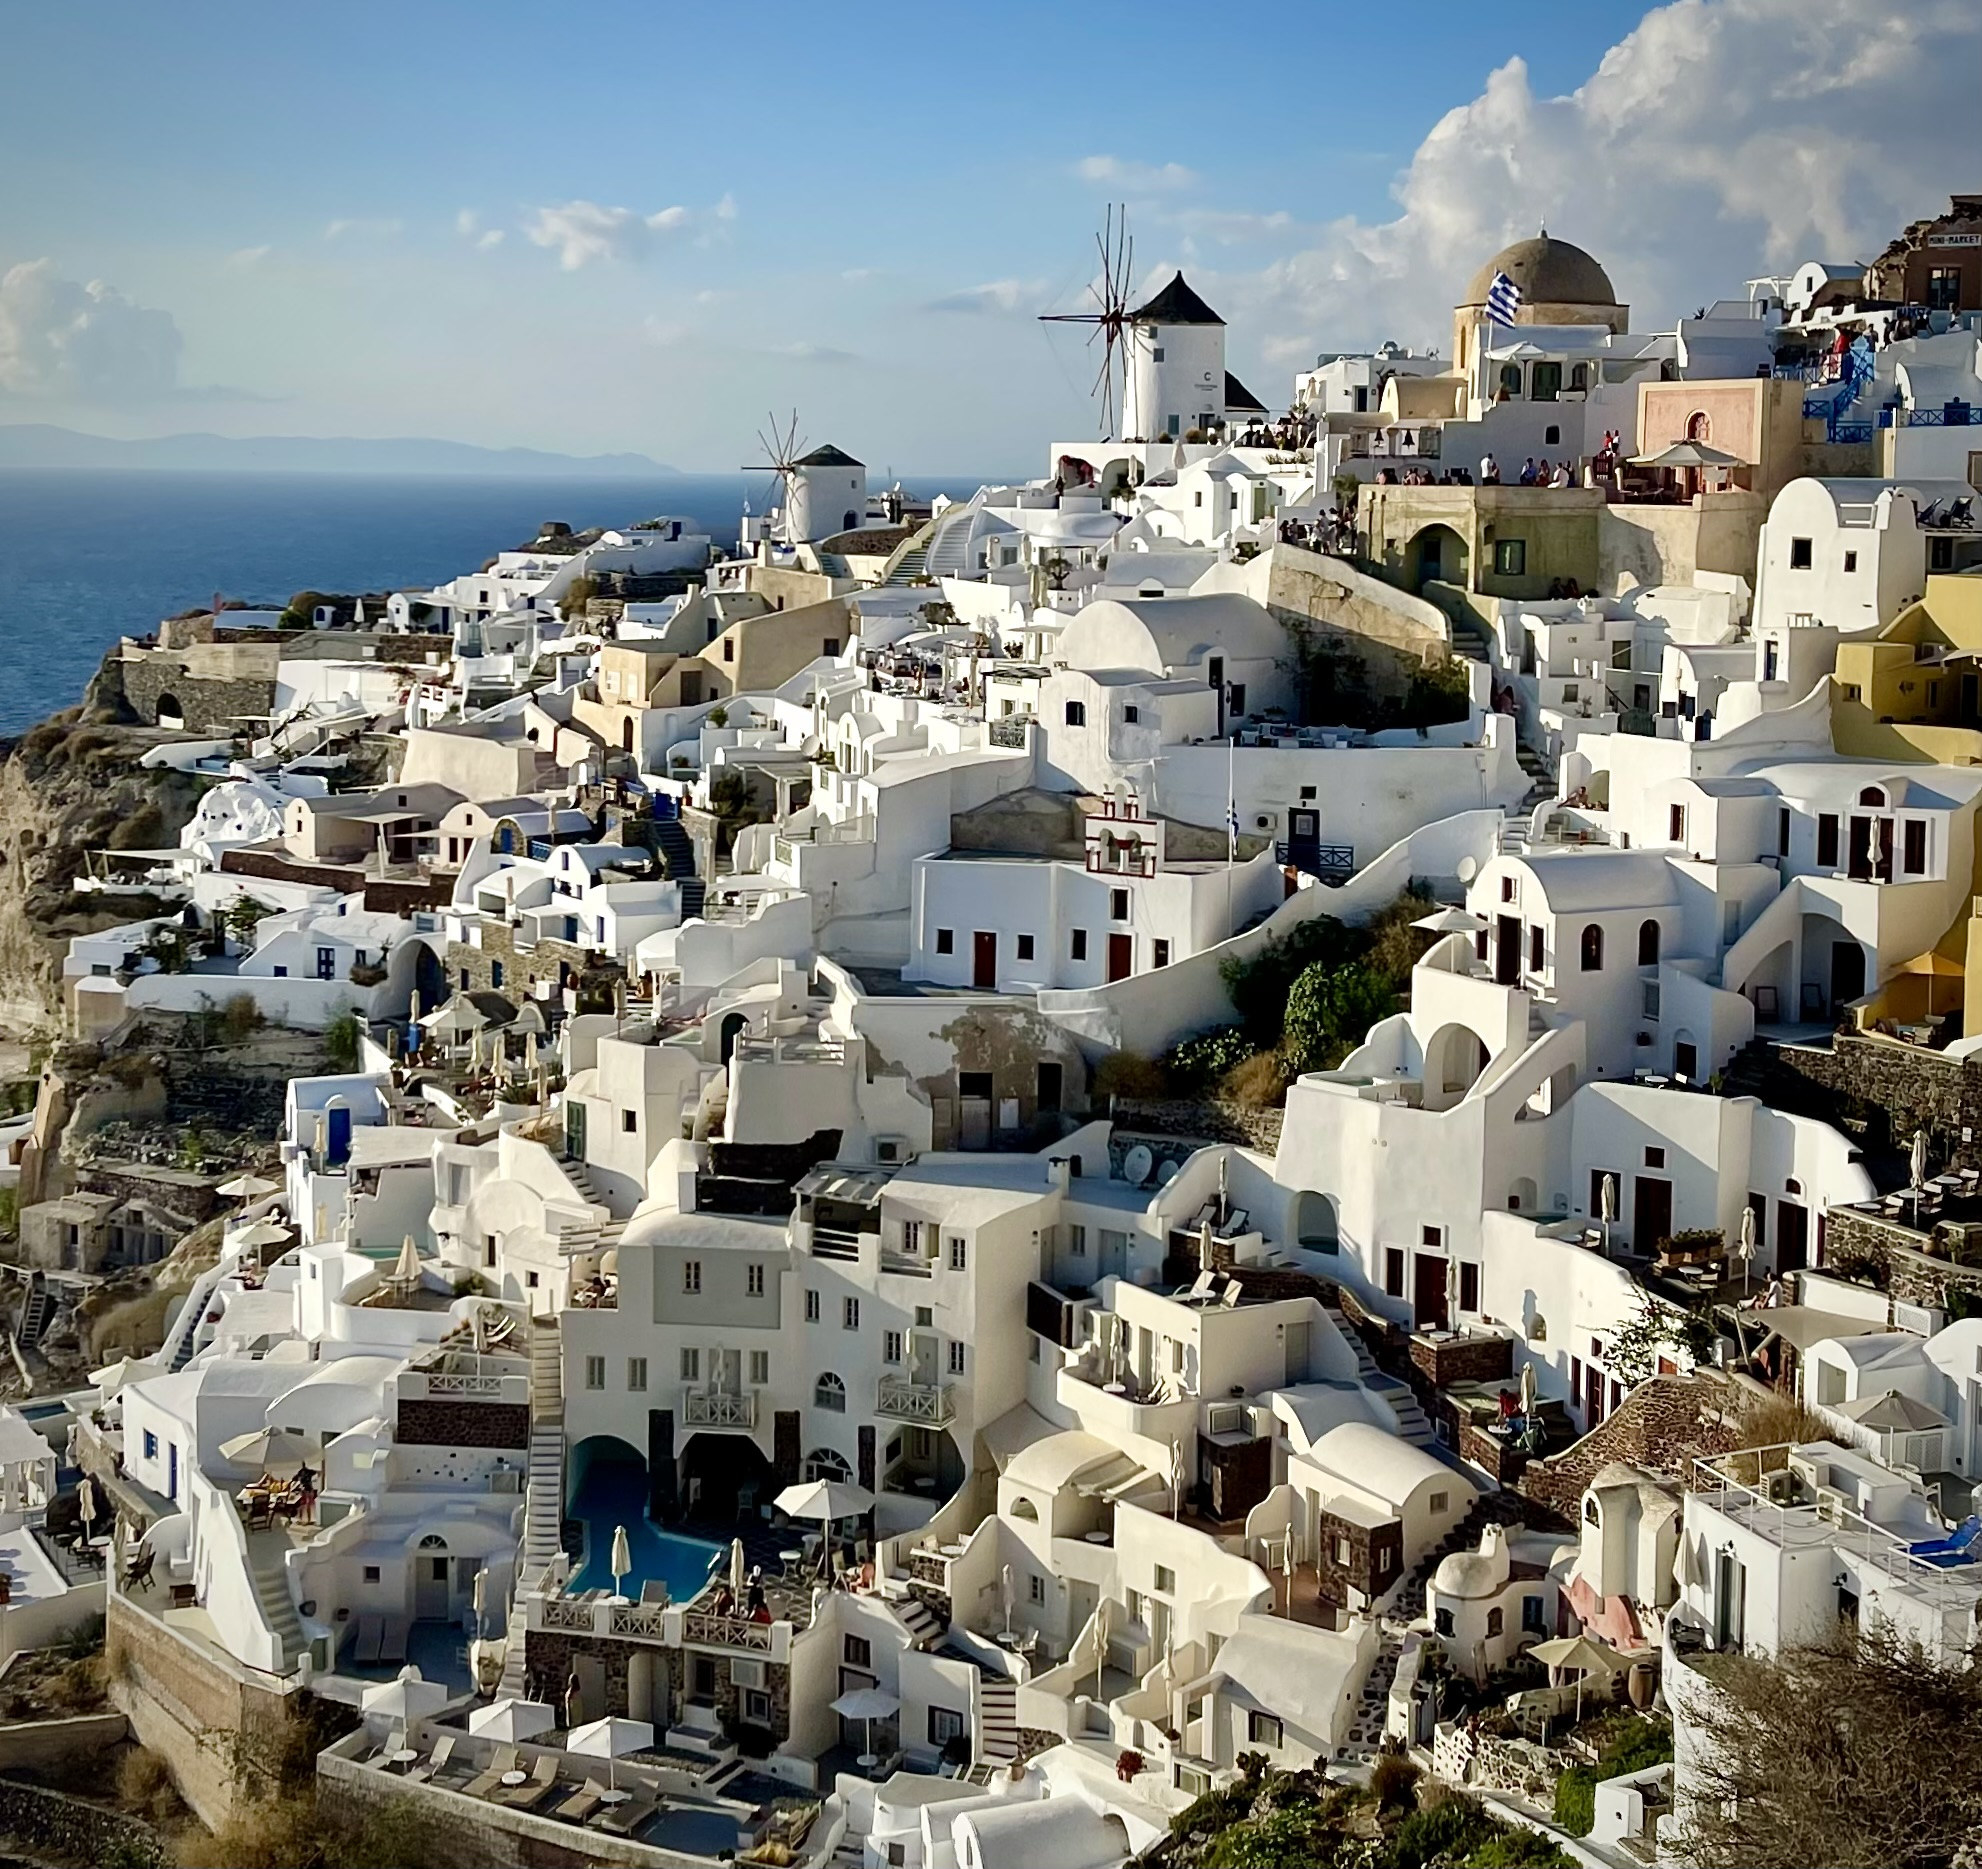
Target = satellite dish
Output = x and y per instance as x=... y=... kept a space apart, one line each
x=1166 y=1172
x=1135 y=1169
x=1466 y=869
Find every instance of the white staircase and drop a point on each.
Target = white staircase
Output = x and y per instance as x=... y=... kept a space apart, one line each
x=543 y=1499
x=700 y=1731
x=997 y=1719
x=271 y=1582
x=918 y=1619
x=1413 y=1424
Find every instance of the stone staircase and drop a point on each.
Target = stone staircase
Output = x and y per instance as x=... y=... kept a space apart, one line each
x=186 y=1326
x=1536 y=767
x=1413 y=1424
x=271 y=1585
x=700 y=1731
x=677 y=850
x=913 y=564
x=997 y=1719
x=918 y=1619
x=543 y=1499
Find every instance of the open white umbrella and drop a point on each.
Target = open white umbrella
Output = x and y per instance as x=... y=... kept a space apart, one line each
x=247 y=1188
x=1582 y=1655
x=262 y=1233
x=1687 y=454
x=113 y=1376
x=867 y=1704
x=397 y=1703
x=825 y=1500
x=513 y=1719
x=271 y=1450
x=621 y=1562
x=1451 y=921
x=609 y=1739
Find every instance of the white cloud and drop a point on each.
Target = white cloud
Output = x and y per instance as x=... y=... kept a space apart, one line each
x=1719 y=139
x=363 y=227
x=248 y=258
x=1002 y=296
x=583 y=231
x=89 y=343
x=468 y=224
x=1120 y=172
x=814 y=353
x=665 y=333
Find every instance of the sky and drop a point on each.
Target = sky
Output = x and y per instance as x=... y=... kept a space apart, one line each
x=606 y=226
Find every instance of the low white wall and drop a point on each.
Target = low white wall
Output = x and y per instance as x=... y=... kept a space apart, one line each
x=307 y=1005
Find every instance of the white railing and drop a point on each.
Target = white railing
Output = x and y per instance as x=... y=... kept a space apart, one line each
x=648 y=1620
x=707 y=1631
x=932 y=1404
x=718 y=1408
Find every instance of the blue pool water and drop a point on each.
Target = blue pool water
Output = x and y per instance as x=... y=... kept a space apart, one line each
x=613 y=1492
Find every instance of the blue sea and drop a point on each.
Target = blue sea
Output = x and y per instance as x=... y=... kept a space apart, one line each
x=89 y=556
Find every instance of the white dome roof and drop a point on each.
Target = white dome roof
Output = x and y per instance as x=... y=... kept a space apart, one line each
x=1476 y=1573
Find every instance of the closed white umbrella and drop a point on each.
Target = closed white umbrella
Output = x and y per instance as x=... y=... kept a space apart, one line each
x=1607 y=1206
x=1917 y=1169
x=86 y=1502
x=609 y=1739
x=1744 y=1242
x=738 y=1569
x=513 y=1719
x=1527 y=1388
x=621 y=1563
x=1005 y=1594
x=825 y=1500
x=406 y=1268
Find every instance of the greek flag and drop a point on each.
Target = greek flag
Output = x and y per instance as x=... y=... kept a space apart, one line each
x=1503 y=299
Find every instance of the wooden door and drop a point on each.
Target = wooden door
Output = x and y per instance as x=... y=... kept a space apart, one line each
x=1651 y=1213
x=1507 y=951
x=1428 y=1291
x=1121 y=954
x=984 y=961
x=1792 y=1237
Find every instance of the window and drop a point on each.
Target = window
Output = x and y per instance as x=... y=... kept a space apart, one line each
x=151 y=1445
x=1782 y=831
x=829 y=645
x=1442 y=1621
x=595 y=1372
x=1308 y=793
x=945 y=1724
x=1118 y=905
x=1655 y=1158
x=858 y=1652
x=1507 y=889
x=1431 y=1237
x=488 y=1249
x=1393 y=1271
x=1649 y=999
x=1438 y=1502
x=1160 y=952
x=1914 y=838
x=1591 y=949
x=1131 y=714
x=530 y=1280
x=1496 y=1623
x=849 y=1313
x=1076 y=713
x=636 y=1373
x=829 y=1393
x=1944 y=288
x=891 y=1346
x=1552 y=435
x=1025 y=947
x=1545 y=383
x=1675 y=825
x=1166 y=1580
x=629 y=1122
x=1531 y=1615
x=1799 y=554
x=760 y=1366
x=1940 y=554
x=1035 y=1588
x=812 y=1307
x=1535 y=949
x=1077 y=949
x=956 y=1359
x=946 y=940
x=753 y=1281
x=1827 y=840
x=691 y=1365
x=371 y=1573
x=1077 y=1242
x=691 y=1275
x=1510 y=557
x=959 y=1255
x=1851 y=561
x=495 y=973
x=1469 y=1285
x=729 y=651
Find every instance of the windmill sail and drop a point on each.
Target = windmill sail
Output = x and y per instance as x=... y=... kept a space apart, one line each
x=1109 y=320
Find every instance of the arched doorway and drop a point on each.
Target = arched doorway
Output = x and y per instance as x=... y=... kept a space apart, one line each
x=731 y=1031
x=169 y=713
x=1453 y=1062
x=1317 y=1227
x=1437 y=555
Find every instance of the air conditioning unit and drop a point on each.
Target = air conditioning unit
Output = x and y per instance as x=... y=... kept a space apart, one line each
x=1923 y=1320
x=744 y=1672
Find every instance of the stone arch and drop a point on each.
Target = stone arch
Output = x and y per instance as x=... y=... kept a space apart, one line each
x=1700 y=426
x=168 y=712
x=1436 y=554
x=1522 y=1195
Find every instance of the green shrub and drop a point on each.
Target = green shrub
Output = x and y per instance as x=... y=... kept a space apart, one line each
x=1330 y=1009
x=1637 y=1743
x=340 y=1042
x=1196 y=1063
x=1392 y=1780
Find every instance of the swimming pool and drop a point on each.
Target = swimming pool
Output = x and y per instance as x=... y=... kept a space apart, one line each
x=612 y=1491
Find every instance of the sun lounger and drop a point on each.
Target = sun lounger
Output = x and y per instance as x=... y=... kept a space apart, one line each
x=392 y=1640
x=582 y=1802
x=371 y=1630
x=435 y=1762
x=528 y=1795
x=623 y=1819
x=1963 y=1545
x=484 y=1786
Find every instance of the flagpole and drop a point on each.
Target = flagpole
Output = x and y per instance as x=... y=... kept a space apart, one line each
x=1231 y=802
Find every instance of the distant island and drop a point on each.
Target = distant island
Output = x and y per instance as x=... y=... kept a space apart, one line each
x=43 y=446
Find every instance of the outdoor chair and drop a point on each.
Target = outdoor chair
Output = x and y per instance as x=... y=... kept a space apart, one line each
x=435 y=1762
x=582 y=1802
x=1958 y=1547
x=538 y=1787
x=623 y=1819
x=483 y=1786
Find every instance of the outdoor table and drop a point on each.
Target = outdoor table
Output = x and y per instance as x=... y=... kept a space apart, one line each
x=1097 y=1538
x=614 y=1796
x=404 y=1756
x=515 y=1778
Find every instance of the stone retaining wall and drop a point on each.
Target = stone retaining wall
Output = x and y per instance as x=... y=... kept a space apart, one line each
x=1662 y=1422
x=447 y=1422
x=78 y=1831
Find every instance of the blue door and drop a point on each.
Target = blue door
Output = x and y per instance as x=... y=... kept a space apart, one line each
x=337 y=1144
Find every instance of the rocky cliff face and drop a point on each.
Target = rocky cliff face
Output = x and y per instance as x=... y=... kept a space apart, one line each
x=68 y=786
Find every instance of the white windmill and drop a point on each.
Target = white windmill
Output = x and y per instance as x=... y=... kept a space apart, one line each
x=1110 y=318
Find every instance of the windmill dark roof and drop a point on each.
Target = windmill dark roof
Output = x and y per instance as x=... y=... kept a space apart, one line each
x=1238 y=396
x=1176 y=304
x=827 y=456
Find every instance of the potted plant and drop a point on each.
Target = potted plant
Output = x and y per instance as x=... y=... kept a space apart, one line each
x=1129 y=1766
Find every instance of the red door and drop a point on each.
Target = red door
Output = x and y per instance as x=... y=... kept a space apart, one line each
x=1121 y=952
x=984 y=961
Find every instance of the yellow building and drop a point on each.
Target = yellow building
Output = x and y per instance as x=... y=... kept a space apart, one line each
x=1913 y=691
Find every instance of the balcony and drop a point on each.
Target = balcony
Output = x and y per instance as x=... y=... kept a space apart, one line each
x=719 y=1408
x=927 y=1404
